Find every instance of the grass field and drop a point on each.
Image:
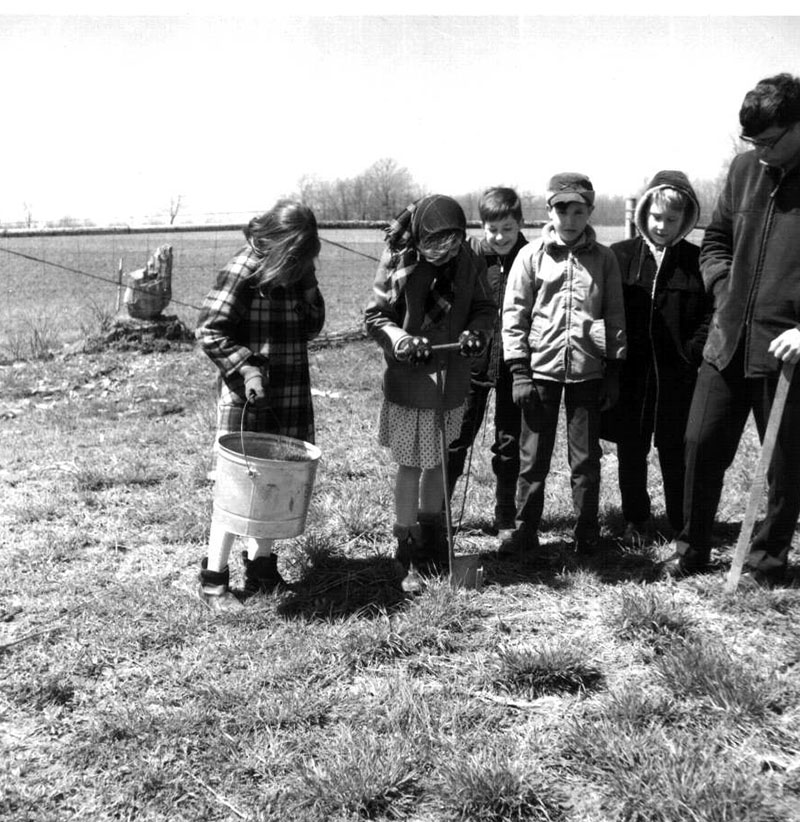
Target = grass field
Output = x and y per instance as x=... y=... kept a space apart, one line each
x=63 y=286
x=568 y=688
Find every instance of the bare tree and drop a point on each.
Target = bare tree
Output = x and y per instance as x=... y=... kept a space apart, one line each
x=308 y=194
x=391 y=185
x=27 y=208
x=174 y=207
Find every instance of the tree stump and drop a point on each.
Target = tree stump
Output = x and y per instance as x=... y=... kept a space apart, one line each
x=149 y=289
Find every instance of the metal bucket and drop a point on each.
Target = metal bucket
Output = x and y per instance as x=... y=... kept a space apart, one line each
x=263 y=484
x=467 y=572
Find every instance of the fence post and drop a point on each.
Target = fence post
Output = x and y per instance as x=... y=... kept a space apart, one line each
x=630 y=218
x=119 y=285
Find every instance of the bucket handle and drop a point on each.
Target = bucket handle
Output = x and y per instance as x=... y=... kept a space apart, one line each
x=251 y=472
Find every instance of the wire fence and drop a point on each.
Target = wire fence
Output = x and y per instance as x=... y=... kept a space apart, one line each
x=59 y=283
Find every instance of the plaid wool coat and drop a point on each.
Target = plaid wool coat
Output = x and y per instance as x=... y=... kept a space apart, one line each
x=239 y=325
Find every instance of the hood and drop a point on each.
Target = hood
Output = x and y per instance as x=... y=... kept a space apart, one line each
x=668 y=179
x=434 y=214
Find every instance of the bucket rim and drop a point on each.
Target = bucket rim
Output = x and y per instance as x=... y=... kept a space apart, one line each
x=311 y=450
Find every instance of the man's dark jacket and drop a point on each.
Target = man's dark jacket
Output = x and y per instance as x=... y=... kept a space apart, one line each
x=750 y=258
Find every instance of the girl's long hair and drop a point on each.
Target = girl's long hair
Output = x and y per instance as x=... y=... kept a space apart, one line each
x=286 y=240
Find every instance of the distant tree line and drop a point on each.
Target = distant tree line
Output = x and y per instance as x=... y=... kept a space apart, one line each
x=386 y=187
x=378 y=193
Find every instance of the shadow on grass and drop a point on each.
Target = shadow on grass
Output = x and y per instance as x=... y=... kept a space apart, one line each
x=611 y=562
x=335 y=586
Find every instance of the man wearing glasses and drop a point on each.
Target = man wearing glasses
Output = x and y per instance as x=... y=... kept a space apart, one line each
x=750 y=260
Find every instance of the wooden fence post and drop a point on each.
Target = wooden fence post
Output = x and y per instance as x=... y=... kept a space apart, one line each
x=119 y=285
x=630 y=218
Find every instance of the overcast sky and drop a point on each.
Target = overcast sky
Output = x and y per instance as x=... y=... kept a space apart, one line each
x=109 y=117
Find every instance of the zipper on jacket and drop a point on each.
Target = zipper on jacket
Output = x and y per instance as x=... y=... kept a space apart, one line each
x=750 y=307
x=568 y=318
x=659 y=269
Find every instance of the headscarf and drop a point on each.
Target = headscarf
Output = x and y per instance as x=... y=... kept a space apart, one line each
x=414 y=225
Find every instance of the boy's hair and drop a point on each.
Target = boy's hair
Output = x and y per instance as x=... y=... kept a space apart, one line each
x=286 y=240
x=498 y=203
x=669 y=198
x=775 y=101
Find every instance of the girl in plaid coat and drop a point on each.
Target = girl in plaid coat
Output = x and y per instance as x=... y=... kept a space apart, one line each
x=431 y=289
x=255 y=325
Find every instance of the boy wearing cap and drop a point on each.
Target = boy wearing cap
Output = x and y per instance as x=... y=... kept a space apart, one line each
x=563 y=329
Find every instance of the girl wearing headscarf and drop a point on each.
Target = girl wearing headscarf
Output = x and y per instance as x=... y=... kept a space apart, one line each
x=431 y=289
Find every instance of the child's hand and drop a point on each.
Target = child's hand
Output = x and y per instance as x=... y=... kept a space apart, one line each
x=255 y=390
x=473 y=343
x=523 y=391
x=413 y=350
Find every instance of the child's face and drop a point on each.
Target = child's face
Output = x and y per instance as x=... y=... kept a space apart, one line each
x=501 y=234
x=438 y=250
x=569 y=220
x=664 y=224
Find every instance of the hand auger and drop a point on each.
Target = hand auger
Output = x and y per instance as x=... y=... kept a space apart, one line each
x=438 y=350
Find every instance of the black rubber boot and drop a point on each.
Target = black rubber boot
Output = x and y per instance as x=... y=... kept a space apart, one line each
x=261 y=575
x=214 y=587
x=434 y=553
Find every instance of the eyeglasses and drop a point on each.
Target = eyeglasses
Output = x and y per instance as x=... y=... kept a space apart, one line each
x=767 y=144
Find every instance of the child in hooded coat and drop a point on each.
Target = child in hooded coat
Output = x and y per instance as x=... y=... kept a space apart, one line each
x=431 y=288
x=667 y=314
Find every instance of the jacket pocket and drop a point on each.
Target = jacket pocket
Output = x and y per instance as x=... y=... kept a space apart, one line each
x=597 y=335
x=535 y=334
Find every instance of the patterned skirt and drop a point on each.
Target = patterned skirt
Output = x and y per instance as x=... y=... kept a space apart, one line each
x=412 y=434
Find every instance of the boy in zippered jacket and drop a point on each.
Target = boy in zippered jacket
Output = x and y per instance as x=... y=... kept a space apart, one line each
x=667 y=313
x=563 y=333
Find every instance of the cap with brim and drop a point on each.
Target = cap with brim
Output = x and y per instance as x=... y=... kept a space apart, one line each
x=570 y=188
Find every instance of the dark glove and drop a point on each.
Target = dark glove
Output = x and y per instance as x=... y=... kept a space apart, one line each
x=609 y=391
x=255 y=389
x=472 y=343
x=523 y=391
x=413 y=350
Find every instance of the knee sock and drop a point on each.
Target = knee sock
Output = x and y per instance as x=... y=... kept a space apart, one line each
x=220 y=543
x=258 y=547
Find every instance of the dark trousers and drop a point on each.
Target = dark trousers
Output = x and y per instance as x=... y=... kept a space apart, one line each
x=537 y=439
x=632 y=455
x=505 y=450
x=720 y=407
